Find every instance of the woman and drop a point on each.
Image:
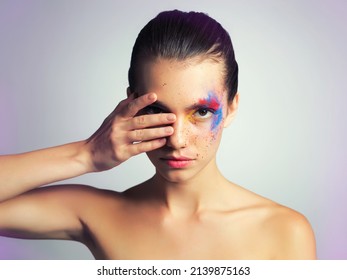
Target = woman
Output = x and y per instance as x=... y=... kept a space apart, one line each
x=182 y=94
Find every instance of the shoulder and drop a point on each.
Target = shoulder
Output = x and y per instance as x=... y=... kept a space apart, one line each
x=50 y=212
x=290 y=233
x=279 y=230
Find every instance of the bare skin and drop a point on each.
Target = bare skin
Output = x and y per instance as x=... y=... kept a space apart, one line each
x=187 y=210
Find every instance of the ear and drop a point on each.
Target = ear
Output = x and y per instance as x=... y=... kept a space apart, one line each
x=232 y=109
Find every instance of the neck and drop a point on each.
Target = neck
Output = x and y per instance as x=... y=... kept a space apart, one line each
x=189 y=197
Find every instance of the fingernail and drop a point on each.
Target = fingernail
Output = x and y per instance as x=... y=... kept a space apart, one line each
x=171 y=117
x=168 y=129
x=152 y=96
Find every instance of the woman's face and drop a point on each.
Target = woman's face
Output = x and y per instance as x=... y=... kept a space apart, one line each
x=194 y=91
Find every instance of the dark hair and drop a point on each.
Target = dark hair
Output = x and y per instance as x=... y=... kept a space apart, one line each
x=183 y=35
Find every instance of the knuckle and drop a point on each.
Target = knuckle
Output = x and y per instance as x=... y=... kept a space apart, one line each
x=163 y=118
x=140 y=148
x=114 y=129
x=141 y=121
x=135 y=149
x=139 y=134
x=131 y=105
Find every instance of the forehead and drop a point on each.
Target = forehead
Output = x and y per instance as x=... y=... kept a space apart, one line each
x=187 y=80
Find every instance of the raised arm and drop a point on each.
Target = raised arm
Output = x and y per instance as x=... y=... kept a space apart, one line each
x=123 y=134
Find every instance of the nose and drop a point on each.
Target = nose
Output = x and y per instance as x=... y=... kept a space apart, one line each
x=179 y=139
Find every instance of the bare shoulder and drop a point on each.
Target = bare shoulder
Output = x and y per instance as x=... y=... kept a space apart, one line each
x=49 y=212
x=285 y=231
x=291 y=232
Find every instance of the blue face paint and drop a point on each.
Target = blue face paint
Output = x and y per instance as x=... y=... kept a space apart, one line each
x=212 y=103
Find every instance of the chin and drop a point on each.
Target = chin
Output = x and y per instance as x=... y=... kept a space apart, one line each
x=176 y=176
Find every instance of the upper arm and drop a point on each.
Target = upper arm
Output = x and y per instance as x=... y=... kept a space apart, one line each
x=50 y=212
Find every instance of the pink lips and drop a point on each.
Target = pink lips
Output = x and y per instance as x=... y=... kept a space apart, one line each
x=180 y=162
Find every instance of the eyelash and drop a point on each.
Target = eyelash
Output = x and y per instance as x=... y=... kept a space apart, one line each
x=206 y=111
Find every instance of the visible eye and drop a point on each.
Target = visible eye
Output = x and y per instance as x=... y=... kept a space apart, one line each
x=150 y=110
x=203 y=113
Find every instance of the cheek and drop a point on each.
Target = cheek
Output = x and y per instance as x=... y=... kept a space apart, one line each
x=206 y=140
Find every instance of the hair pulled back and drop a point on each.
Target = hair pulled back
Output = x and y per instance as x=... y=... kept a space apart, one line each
x=184 y=35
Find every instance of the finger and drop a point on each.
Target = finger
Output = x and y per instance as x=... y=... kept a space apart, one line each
x=147 y=146
x=149 y=134
x=144 y=121
x=134 y=106
x=124 y=103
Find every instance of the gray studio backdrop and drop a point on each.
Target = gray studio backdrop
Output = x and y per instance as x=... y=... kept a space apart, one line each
x=63 y=69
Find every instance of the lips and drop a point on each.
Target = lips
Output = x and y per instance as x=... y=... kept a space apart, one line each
x=177 y=162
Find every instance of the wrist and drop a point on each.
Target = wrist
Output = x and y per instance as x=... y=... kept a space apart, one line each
x=83 y=158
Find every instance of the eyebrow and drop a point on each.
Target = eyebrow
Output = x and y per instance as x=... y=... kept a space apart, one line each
x=163 y=106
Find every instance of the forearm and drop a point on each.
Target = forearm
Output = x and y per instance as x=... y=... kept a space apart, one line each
x=27 y=171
